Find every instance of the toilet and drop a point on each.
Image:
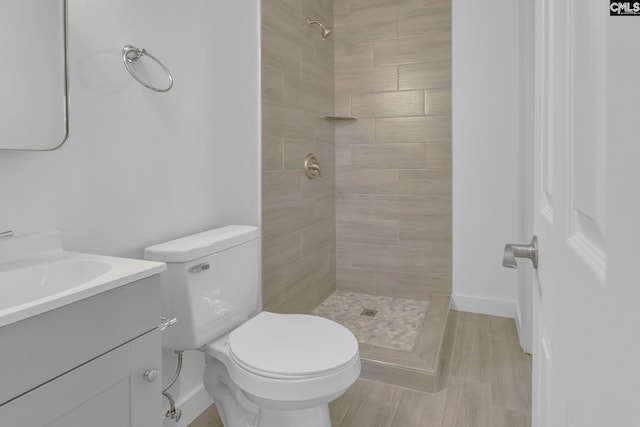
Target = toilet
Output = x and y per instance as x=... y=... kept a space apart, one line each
x=262 y=369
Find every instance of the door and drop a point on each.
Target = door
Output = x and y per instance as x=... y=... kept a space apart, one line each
x=587 y=207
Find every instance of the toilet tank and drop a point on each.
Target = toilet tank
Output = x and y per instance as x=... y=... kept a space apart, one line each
x=212 y=283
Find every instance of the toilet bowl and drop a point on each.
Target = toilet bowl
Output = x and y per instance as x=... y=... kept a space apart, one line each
x=263 y=369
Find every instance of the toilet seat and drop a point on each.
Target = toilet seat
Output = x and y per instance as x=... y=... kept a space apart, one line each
x=292 y=346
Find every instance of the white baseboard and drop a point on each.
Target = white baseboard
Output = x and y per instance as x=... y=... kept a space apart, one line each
x=493 y=307
x=192 y=406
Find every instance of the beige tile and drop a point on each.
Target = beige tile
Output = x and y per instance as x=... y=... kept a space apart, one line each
x=390 y=374
x=433 y=46
x=472 y=352
x=342 y=105
x=358 y=28
x=349 y=279
x=361 y=131
x=377 y=232
x=413 y=286
x=425 y=182
x=319 y=10
x=273 y=289
x=287 y=218
x=436 y=17
x=412 y=208
x=308 y=94
x=271 y=153
x=319 y=235
x=364 y=413
x=281 y=187
x=435 y=319
x=418 y=409
x=304 y=273
x=209 y=418
x=343 y=156
x=388 y=104
x=355 y=206
x=272 y=84
x=422 y=357
x=296 y=150
x=379 y=7
x=367 y=181
x=438 y=155
x=477 y=318
x=388 y=156
x=503 y=329
x=374 y=79
x=324 y=208
x=468 y=403
x=503 y=418
x=326 y=285
x=320 y=186
x=286 y=121
x=434 y=236
x=280 y=52
x=511 y=377
x=279 y=251
x=413 y=129
x=353 y=56
x=438 y=101
x=425 y=75
x=389 y=258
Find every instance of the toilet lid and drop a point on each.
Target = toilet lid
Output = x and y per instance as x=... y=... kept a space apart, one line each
x=292 y=345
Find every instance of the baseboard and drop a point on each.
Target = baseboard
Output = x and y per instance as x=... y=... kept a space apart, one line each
x=493 y=307
x=192 y=406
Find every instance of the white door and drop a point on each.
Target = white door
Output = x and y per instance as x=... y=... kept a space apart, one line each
x=586 y=369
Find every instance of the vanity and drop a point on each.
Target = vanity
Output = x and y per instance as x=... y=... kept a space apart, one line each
x=79 y=337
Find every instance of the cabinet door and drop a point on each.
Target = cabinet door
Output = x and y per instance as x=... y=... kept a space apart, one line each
x=109 y=391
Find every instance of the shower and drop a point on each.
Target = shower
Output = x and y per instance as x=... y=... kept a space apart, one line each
x=326 y=31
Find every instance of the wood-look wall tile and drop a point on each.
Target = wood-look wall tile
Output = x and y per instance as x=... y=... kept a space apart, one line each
x=372 y=181
x=388 y=156
x=361 y=131
x=377 y=232
x=438 y=155
x=272 y=84
x=438 y=101
x=343 y=105
x=304 y=273
x=287 y=218
x=436 y=17
x=355 y=206
x=286 y=121
x=321 y=10
x=273 y=289
x=296 y=150
x=433 y=46
x=413 y=129
x=353 y=56
x=424 y=75
x=280 y=251
x=420 y=286
x=343 y=156
x=389 y=258
x=504 y=418
x=320 y=235
x=388 y=104
x=435 y=235
x=412 y=208
x=351 y=280
x=272 y=154
x=425 y=182
x=280 y=52
x=375 y=79
x=281 y=187
x=365 y=29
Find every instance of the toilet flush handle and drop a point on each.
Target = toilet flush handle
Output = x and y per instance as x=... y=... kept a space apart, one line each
x=199 y=268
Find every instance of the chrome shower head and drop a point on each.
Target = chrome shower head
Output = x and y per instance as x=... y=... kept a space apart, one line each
x=326 y=31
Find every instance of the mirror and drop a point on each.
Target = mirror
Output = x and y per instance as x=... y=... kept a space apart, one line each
x=33 y=75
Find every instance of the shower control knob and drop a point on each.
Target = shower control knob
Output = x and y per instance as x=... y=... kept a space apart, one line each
x=151 y=375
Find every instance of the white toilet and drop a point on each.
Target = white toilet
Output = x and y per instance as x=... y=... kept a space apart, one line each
x=263 y=369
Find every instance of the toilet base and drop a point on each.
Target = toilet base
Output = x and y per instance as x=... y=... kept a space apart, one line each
x=311 y=417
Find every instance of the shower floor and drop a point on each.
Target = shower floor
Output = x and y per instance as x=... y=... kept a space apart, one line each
x=402 y=343
x=376 y=320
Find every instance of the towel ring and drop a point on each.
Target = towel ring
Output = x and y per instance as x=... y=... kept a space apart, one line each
x=131 y=54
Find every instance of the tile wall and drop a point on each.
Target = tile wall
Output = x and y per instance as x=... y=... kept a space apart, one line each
x=298 y=214
x=393 y=165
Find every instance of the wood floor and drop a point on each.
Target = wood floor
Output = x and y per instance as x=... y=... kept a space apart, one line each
x=486 y=382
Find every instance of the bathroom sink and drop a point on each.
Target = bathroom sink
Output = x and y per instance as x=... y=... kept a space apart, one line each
x=37 y=275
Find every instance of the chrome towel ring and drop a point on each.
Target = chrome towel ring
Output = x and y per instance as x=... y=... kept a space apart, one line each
x=131 y=54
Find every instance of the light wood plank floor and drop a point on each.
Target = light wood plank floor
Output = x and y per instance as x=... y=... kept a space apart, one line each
x=486 y=382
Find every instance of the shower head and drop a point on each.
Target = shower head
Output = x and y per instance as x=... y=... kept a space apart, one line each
x=326 y=31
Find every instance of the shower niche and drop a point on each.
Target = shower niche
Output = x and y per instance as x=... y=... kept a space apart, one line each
x=33 y=75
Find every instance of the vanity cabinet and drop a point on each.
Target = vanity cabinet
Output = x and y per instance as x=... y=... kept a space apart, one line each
x=84 y=364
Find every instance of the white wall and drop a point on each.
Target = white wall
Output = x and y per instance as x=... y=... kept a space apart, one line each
x=486 y=103
x=142 y=167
